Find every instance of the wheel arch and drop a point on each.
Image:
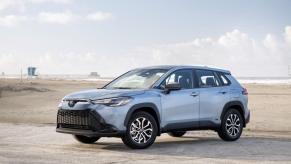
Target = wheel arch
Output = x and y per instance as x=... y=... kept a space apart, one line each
x=234 y=105
x=146 y=107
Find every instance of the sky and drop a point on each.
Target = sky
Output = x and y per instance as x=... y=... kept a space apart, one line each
x=249 y=38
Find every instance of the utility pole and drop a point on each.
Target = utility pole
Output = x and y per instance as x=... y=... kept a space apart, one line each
x=21 y=75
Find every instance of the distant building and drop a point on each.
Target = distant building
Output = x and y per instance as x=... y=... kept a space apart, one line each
x=94 y=74
x=3 y=74
x=31 y=71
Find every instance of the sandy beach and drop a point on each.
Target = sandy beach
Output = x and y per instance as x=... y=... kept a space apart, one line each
x=28 y=113
x=36 y=101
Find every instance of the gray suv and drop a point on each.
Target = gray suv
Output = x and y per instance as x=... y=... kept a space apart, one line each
x=146 y=102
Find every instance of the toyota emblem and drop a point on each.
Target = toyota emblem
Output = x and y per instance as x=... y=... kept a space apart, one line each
x=71 y=103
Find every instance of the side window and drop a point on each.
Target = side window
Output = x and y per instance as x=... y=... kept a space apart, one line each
x=207 y=78
x=223 y=79
x=183 y=77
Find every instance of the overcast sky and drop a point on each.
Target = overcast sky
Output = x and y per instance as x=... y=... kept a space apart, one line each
x=250 y=38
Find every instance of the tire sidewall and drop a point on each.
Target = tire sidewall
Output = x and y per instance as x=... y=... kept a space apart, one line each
x=177 y=133
x=128 y=139
x=223 y=125
x=85 y=139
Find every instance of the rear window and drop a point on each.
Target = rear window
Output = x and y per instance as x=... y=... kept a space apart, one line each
x=207 y=78
x=224 y=80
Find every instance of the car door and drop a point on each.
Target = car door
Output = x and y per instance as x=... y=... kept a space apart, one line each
x=213 y=96
x=180 y=108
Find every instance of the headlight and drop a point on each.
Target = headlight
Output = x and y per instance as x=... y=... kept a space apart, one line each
x=113 y=102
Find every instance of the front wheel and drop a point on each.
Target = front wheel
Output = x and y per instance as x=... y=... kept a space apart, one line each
x=231 y=125
x=141 y=131
x=85 y=139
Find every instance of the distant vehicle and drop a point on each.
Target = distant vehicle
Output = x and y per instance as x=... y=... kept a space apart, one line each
x=143 y=103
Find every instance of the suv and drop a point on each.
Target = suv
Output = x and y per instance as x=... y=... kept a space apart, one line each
x=146 y=102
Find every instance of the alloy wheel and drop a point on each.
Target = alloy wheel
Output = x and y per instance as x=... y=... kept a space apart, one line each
x=141 y=130
x=233 y=124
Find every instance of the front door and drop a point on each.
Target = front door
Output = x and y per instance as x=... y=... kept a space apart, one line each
x=180 y=108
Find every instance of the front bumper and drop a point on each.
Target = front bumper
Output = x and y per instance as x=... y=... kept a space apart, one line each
x=90 y=133
x=84 y=122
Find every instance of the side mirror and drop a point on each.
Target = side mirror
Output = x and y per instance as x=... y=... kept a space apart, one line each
x=172 y=87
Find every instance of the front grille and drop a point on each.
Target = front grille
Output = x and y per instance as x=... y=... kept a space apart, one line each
x=78 y=119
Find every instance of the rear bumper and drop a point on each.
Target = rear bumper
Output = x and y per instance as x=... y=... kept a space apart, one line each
x=248 y=117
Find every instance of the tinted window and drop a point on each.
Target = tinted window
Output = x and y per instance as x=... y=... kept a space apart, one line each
x=223 y=79
x=183 y=77
x=207 y=78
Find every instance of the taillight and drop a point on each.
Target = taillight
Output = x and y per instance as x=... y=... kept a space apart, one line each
x=245 y=91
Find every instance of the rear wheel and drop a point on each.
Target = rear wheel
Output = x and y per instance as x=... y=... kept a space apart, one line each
x=85 y=139
x=231 y=125
x=141 y=131
x=177 y=133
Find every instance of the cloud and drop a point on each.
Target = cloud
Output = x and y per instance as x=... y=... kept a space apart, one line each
x=234 y=50
x=68 y=17
x=288 y=34
x=62 y=18
x=4 y=4
x=99 y=16
x=22 y=4
x=11 y=20
x=57 y=18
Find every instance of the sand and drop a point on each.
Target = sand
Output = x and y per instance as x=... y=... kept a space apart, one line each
x=28 y=113
x=36 y=101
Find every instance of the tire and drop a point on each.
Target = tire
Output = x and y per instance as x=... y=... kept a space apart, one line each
x=85 y=139
x=141 y=131
x=231 y=125
x=177 y=133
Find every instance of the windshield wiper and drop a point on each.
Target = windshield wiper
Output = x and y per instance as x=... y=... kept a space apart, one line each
x=122 y=88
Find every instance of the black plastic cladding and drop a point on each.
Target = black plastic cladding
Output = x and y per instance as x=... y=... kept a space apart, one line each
x=80 y=119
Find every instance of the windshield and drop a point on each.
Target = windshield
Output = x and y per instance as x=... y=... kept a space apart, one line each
x=137 y=79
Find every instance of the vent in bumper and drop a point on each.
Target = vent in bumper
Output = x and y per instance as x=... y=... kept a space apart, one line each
x=79 y=119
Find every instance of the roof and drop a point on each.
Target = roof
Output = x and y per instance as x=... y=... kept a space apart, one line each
x=186 y=66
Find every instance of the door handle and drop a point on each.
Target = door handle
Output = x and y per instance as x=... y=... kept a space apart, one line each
x=222 y=92
x=194 y=94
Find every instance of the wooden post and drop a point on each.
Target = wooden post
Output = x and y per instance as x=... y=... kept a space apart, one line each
x=21 y=75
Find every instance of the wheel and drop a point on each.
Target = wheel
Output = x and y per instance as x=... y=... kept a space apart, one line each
x=141 y=131
x=231 y=125
x=177 y=133
x=85 y=139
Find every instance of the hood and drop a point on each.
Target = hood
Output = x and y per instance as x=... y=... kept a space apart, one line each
x=94 y=94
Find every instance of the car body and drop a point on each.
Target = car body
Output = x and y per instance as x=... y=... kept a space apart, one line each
x=172 y=99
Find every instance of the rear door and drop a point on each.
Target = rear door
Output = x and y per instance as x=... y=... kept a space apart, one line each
x=213 y=96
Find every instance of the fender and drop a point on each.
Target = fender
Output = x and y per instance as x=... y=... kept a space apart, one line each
x=142 y=105
x=232 y=103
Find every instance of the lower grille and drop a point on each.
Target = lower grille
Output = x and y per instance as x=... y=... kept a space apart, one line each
x=78 y=119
